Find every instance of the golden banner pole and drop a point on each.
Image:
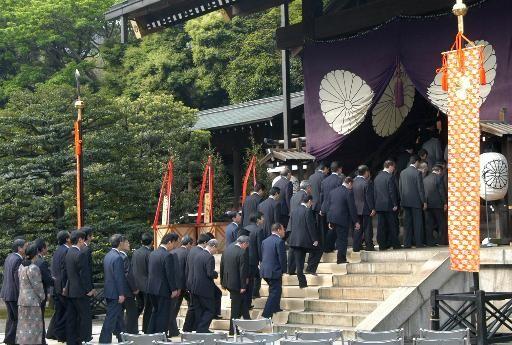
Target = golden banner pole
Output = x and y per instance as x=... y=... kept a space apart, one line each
x=79 y=106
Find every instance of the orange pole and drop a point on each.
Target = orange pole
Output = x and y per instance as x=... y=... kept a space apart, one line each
x=79 y=105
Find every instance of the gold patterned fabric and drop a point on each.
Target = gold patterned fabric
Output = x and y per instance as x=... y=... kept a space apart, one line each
x=464 y=159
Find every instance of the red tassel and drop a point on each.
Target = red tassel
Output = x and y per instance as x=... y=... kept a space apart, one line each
x=444 y=80
x=483 y=79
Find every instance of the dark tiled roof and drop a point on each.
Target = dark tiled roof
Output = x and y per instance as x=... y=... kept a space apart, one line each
x=497 y=128
x=244 y=113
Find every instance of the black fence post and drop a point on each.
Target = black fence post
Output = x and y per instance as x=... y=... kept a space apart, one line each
x=434 y=310
x=481 y=326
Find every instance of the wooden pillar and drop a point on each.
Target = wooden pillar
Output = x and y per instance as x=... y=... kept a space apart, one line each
x=123 y=22
x=285 y=75
x=237 y=177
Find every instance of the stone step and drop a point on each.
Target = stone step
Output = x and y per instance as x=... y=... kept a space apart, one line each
x=383 y=267
x=330 y=268
x=293 y=292
x=341 y=306
x=292 y=280
x=355 y=293
x=327 y=319
x=291 y=328
x=375 y=280
x=259 y=303
x=401 y=255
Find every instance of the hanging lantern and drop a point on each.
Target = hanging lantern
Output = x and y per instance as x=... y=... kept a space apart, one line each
x=493 y=176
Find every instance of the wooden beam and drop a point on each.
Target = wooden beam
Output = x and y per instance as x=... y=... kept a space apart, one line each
x=249 y=7
x=357 y=19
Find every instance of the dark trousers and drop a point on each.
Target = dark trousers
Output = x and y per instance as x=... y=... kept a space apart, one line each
x=315 y=255
x=387 y=230
x=237 y=307
x=175 y=310
x=144 y=306
x=159 y=321
x=79 y=321
x=435 y=219
x=12 y=322
x=113 y=323
x=43 y=308
x=131 y=317
x=190 y=319
x=413 y=226
x=205 y=309
x=365 y=233
x=250 y=290
x=57 y=326
x=218 y=301
x=292 y=266
x=330 y=239
x=275 y=289
x=299 y=255
x=256 y=285
x=341 y=242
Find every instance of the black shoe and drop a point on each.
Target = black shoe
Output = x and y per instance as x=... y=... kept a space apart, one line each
x=279 y=310
x=370 y=249
x=407 y=247
x=218 y=317
x=256 y=296
x=303 y=286
x=312 y=273
x=397 y=247
x=292 y=274
x=251 y=307
x=342 y=261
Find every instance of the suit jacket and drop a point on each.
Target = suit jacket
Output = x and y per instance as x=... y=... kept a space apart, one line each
x=115 y=280
x=250 y=207
x=316 y=188
x=256 y=237
x=189 y=267
x=412 y=191
x=46 y=276
x=402 y=161
x=385 y=192
x=180 y=256
x=234 y=268
x=58 y=268
x=140 y=263
x=340 y=207
x=31 y=286
x=296 y=200
x=286 y=187
x=303 y=228
x=231 y=233
x=87 y=250
x=203 y=268
x=273 y=253
x=161 y=273
x=11 y=284
x=435 y=153
x=128 y=273
x=363 y=195
x=329 y=183
x=435 y=192
x=271 y=210
x=79 y=280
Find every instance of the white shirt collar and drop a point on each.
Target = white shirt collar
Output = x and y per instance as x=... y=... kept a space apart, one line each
x=254 y=193
x=412 y=165
x=19 y=255
x=334 y=173
x=303 y=204
x=272 y=197
x=235 y=223
x=276 y=234
x=75 y=246
x=66 y=245
x=163 y=246
x=149 y=247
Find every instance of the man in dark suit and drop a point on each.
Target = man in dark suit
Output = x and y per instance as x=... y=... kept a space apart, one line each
x=365 y=206
x=272 y=267
x=131 y=317
x=202 y=287
x=304 y=238
x=11 y=287
x=286 y=191
x=412 y=200
x=295 y=202
x=386 y=205
x=252 y=202
x=331 y=182
x=316 y=188
x=88 y=250
x=341 y=215
x=271 y=209
x=79 y=290
x=46 y=275
x=190 y=319
x=232 y=228
x=57 y=326
x=115 y=289
x=180 y=259
x=437 y=204
x=255 y=232
x=140 y=263
x=234 y=277
x=161 y=284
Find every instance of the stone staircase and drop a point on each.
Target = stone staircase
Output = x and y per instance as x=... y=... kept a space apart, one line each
x=341 y=296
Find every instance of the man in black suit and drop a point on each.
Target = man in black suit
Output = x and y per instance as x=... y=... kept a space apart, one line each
x=252 y=202
x=304 y=238
x=331 y=182
x=316 y=188
x=272 y=267
x=115 y=290
x=46 y=275
x=190 y=319
x=202 y=286
x=57 y=326
x=295 y=202
x=286 y=191
x=437 y=204
x=234 y=277
x=180 y=259
x=271 y=209
x=140 y=263
x=161 y=284
x=255 y=232
x=79 y=290
x=412 y=200
x=386 y=205
x=131 y=317
x=11 y=287
x=88 y=250
x=232 y=228
x=365 y=206
x=341 y=215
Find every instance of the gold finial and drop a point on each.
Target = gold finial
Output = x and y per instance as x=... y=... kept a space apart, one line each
x=460 y=9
